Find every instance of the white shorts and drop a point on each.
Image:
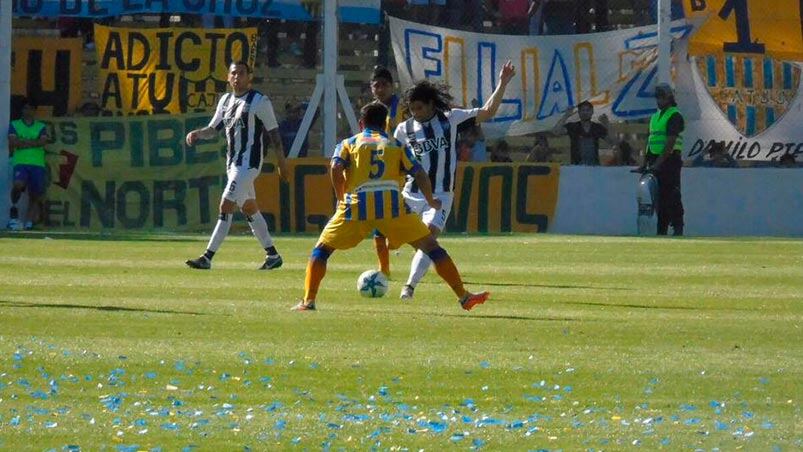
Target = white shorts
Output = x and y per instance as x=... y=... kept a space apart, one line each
x=240 y=184
x=431 y=217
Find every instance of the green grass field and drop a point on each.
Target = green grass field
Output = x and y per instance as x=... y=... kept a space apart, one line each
x=587 y=343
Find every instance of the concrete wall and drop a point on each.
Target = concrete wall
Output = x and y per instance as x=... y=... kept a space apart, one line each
x=718 y=201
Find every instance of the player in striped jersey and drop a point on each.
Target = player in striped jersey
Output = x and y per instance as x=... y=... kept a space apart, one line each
x=246 y=116
x=431 y=134
x=382 y=90
x=366 y=170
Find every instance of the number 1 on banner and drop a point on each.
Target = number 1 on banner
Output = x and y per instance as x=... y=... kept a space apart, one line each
x=744 y=43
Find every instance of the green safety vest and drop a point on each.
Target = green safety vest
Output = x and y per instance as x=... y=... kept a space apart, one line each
x=28 y=156
x=658 y=123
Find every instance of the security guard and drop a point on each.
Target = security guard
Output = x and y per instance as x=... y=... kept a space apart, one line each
x=663 y=158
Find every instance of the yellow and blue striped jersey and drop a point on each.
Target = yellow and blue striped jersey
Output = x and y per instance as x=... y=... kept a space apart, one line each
x=396 y=115
x=374 y=165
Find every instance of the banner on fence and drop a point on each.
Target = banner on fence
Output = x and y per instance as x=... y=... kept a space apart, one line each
x=488 y=197
x=136 y=173
x=614 y=70
x=47 y=71
x=132 y=173
x=355 y=11
x=168 y=70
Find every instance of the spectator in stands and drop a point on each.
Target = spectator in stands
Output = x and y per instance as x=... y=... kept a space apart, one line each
x=624 y=155
x=288 y=128
x=536 y=15
x=501 y=152
x=513 y=16
x=27 y=138
x=787 y=161
x=558 y=17
x=584 y=134
x=540 y=152
x=716 y=157
x=426 y=11
x=464 y=15
x=471 y=134
x=591 y=15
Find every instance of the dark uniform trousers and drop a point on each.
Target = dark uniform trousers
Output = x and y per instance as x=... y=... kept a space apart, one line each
x=670 y=205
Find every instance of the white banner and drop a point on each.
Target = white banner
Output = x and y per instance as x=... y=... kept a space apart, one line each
x=751 y=103
x=614 y=70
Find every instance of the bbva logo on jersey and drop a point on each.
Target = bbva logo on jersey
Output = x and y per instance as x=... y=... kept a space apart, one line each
x=752 y=92
x=433 y=144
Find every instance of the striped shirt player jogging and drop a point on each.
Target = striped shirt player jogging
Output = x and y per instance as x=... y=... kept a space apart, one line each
x=244 y=118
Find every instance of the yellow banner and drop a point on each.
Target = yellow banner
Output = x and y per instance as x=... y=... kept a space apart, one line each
x=133 y=173
x=168 y=70
x=761 y=27
x=488 y=197
x=47 y=71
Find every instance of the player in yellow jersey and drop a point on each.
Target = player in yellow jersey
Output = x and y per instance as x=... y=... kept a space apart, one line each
x=383 y=92
x=366 y=170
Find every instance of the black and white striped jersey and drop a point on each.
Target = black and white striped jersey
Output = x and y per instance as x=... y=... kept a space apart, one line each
x=433 y=143
x=245 y=119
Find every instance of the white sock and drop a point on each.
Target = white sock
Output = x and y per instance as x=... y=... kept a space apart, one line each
x=418 y=268
x=220 y=232
x=260 y=229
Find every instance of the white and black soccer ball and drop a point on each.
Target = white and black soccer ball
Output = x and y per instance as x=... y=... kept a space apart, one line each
x=372 y=284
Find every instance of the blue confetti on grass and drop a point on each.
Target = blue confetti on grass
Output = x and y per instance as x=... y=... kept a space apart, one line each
x=39 y=395
x=747 y=415
x=477 y=443
x=459 y=436
x=719 y=425
x=150 y=375
x=15 y=421
x=686 y=407
x=485 y=364
x=170 y=426
x=693 y=421
x=767 y=425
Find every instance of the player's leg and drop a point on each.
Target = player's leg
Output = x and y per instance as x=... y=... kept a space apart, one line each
x=316 y=270
x=382 y=252
x=448 y=271
x=258 y=225
x=260 y=229
x=339 y=234
x=435 y=219
x=228 y=205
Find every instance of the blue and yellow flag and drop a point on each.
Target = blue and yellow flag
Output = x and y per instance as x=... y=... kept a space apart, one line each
x=747 y=27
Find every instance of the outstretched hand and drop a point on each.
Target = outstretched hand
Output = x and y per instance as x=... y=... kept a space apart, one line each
x=507 y=72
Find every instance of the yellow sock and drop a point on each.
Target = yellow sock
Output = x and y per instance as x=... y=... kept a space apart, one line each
x=382 y=252
x=316 y=270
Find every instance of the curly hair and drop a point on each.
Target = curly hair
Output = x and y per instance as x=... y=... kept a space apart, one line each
x=427 y=91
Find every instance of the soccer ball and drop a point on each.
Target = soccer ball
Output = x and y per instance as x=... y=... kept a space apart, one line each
x=372 y=284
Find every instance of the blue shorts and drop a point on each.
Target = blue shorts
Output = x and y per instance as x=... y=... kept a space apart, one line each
x=34 y=178
x=378 y=234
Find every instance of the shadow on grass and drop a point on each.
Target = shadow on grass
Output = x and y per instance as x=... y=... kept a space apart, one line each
x=637 y=306
x=22 y=304
x=543 y=286
x=471 y=316
x=102 y=236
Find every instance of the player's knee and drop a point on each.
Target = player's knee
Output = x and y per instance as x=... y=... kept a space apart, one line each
x=320 y=253
x=437 y=254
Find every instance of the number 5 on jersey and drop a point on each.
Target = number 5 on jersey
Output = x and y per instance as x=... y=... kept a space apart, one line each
x=378 y=163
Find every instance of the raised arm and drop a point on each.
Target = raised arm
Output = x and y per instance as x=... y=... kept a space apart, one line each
x=488 y=110
x=560 y=126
